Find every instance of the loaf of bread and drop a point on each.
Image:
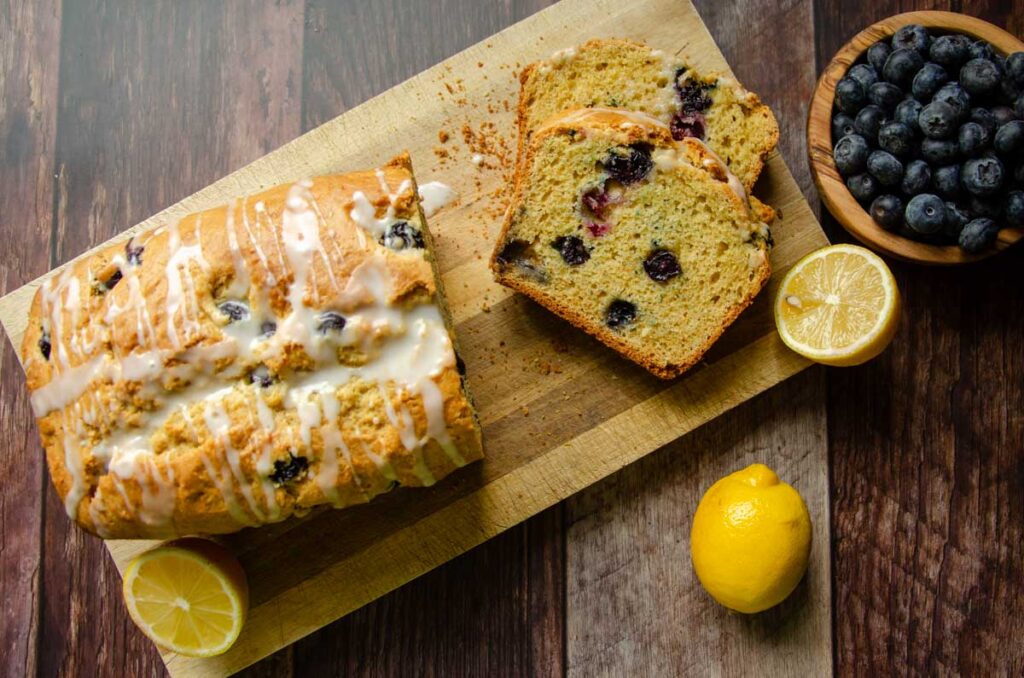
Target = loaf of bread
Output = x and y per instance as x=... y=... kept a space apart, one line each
x=629 y=75
x=645 y=242
x=250 y=362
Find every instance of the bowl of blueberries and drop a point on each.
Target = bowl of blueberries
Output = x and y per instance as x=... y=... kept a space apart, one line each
x=916 y=137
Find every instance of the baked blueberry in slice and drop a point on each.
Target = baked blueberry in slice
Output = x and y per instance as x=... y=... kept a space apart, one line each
x=287 y=470
x=133 y=252
x=330 y=321
x=402 y=236
x=110 y=282
x=629 y=165
x=662 y=265
x=268 y=328
x=44 y=345
x=574 y=252
x=619 y=313
x=262 y=377
x=236 y=311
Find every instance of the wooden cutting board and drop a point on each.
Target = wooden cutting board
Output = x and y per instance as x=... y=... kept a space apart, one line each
x=559 y=411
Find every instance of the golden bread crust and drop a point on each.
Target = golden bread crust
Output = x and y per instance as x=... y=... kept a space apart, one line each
x=250 y=362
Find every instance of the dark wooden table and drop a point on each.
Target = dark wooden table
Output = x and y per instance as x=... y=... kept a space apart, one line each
x=110 y=111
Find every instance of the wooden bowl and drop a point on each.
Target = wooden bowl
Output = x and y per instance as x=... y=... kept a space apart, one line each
x=854 y=218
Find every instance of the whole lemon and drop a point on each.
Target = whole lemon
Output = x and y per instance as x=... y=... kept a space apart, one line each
x=751 y=539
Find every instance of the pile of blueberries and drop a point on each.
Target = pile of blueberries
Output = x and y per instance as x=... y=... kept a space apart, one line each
x=930 y=134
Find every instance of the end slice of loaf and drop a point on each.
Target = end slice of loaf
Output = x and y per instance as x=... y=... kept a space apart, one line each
x=632 y=76
x=647 y=243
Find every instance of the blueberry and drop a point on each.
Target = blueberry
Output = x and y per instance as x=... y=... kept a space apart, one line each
x=289 y=469
x=1014 y=69
x=685 y=125
x=661 y=265
x=972 y=139
x=574 y=252
x=984 y=207
x=912 y=36
x=44 y=345
x=887 y=211
x=842 y=124
x=956 y=218
x=863 y=187
x=851 y=154
x=234 y=310
x=896 y=138
x=629 y=165
x=693 y=96
x=982 y=176
x=984 y=117
x=133 y=252
x=1009 y=139
x=953 y=94
x=268 y=328
x=980 y=50
x=330 y=321
x=885 y=95
x=939 y=151
x=865 y=74
x=1013 y=206
x=937 y=120
x=877 y=54
x=1003 y=115
x=110 y=282
x=946 y=181
x=949 y=50
x=979 y=76
x=907 y=112
x=928 y=81
x=978 y=235
x=925 y=214
x=916 y=178
x=619 y=313
x=521 y=254
x=902 y=64
x=850 y=96
x=1018 y=107
x=886 y=168
x=262 y=377
x=401 y=236
x=868 y=121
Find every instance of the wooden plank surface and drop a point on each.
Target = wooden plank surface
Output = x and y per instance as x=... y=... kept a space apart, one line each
x=306 y=574
x=627 y=543
x=909 y=597
x=927 y=444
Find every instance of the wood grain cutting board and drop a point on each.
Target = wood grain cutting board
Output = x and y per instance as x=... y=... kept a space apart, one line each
x=559 y=411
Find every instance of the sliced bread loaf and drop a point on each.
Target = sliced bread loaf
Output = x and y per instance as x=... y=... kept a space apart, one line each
x=645 y=242
x=632 y=76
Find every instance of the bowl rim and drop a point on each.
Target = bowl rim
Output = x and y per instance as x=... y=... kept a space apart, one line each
x=831 y=187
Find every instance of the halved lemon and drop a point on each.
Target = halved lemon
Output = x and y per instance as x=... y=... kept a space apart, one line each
x=189 y=596
x=838 y=306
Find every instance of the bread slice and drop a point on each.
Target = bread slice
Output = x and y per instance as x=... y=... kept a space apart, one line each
x=645 y=242
x=632 y=76
x=250 y=362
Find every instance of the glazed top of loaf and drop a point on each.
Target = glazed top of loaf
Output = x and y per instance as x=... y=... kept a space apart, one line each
x=314 y=285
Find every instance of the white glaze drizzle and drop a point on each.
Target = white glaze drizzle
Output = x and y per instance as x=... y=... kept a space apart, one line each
x=434 y=195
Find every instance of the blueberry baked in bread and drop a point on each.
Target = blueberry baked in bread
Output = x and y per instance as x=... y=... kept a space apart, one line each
x=623 y=74
x=250 y=362
x=645 y=242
